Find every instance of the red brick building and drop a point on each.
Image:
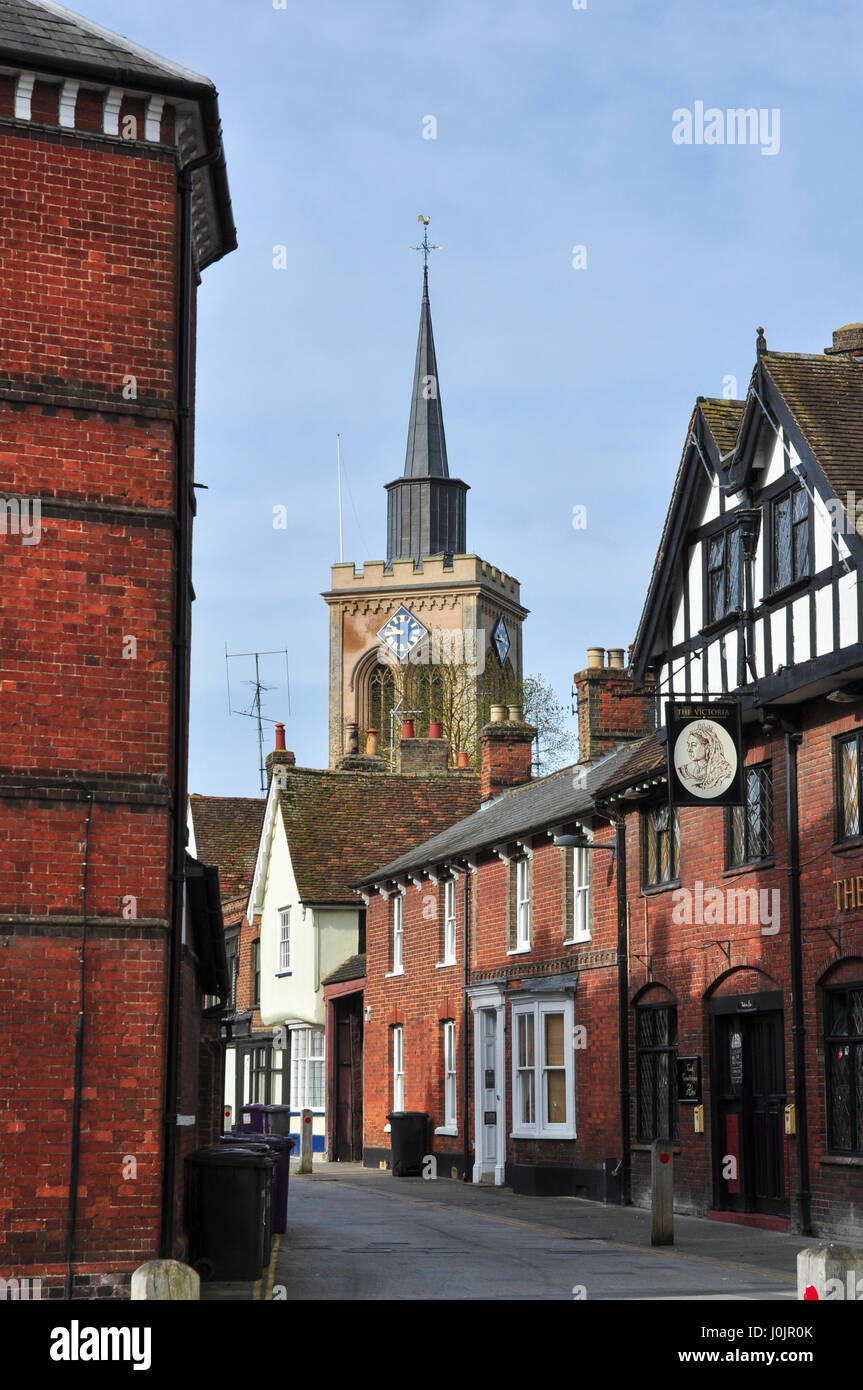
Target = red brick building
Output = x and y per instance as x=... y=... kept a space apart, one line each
x=746 y=924
x=115 y=201
x=491 y=959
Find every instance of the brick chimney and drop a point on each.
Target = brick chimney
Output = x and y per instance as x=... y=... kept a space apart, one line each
x=506 y=749
x=424 y=757
x=281 y=756
x=847 y=342
x=609 y=711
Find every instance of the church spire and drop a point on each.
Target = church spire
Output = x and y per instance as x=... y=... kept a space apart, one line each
x=425 y=456
x=425 y=507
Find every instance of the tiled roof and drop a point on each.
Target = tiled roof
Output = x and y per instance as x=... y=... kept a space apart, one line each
x=227 y=832
x=723 y=420
x=646 y=758
x=354 y=968
x=339 y=824
x=523 y=810
x=825 y=396
x=31 y=29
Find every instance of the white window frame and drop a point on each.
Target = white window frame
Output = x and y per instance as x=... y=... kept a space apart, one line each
x=522 y=904
x=284 y=941
x=398 y=1067
x=449 y=922
x=450 y=1097
x=542 y=1127
x=580 y=924
x=308 y=1050
x=398 y=930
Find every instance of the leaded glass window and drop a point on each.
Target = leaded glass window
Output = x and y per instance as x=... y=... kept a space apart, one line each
x=656 y=1071
x=843 y=1056
x=750 y=826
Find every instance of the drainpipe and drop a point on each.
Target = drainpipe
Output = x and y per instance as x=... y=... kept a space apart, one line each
x=180 y=686
x=78 y=1081
x=466 y=1176
x=798 y=1028
x=623 y=1013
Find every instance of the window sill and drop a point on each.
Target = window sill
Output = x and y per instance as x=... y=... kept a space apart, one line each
x=551 y=1135
x=842 y=1161
x=447 y=1129
x=519 y=951
x=578 y=941
x=393 y=974
x=728 y=621
x=653 y=888
x=646 y=1145
x=847 y=846
x=777 y=596
x=750 y=867
x=445 y=964
x=282 y=974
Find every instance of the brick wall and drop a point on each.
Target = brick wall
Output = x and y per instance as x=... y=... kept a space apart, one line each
x=88 y=253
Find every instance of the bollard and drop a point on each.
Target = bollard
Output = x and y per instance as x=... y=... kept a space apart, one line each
x=166 y=1280
x=305 y=1142
x=830 y=1271
x=662 y=1192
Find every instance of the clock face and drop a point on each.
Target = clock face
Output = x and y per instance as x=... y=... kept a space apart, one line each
x=402 y=633
x=500 y=637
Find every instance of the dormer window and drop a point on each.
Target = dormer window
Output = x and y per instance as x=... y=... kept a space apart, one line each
x=789 y=538
x=724 y=573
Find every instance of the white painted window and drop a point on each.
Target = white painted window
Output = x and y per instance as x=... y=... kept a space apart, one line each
x=543 y=1069
x=522 y=904
x=449 y=1093
x=398 y=1068
x=285 y=939
x=580 y=894
x=449 y=922
x=307 y=1069
x=398 y=935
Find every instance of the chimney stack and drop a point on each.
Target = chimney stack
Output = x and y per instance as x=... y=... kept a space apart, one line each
x=281 y=756
x=847 y=342
x=424 y=757
x=609 y=711
x=506 y=748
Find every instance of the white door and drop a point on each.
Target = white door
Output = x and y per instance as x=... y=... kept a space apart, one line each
x=489 y=1081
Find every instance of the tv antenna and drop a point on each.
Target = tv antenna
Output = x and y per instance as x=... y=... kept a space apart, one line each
x=255 y=711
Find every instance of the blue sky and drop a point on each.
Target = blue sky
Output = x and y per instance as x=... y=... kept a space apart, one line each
x=560 y=387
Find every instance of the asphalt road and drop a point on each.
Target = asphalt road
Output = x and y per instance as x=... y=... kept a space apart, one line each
x=360 y=1235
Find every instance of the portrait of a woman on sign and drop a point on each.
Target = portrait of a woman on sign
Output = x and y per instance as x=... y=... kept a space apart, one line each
x=705 y=759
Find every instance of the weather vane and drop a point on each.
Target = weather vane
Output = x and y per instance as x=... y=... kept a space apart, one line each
x=425 y=246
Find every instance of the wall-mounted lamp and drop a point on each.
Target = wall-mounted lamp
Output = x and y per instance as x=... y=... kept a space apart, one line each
x=581 y=842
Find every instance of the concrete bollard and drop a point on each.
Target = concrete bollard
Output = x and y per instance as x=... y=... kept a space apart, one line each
x=305 y=1142
x=166 y=1280
x=662 y=1192
x=830 y=1271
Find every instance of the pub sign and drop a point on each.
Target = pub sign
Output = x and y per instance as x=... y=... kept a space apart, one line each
x=704 y=749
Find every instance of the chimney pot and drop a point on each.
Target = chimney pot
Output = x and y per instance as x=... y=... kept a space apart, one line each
x=280 y=737
x=615 y=658
x=498 y=714
x=516 y=714
x=435 y=729
x=353 y=739
x=595 y=657
x=407 y=728
x=371 y=743
x=462 y=759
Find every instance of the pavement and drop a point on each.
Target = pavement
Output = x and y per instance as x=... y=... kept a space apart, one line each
x=358 y=1233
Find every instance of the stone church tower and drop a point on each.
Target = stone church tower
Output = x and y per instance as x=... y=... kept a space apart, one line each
x=432 y=633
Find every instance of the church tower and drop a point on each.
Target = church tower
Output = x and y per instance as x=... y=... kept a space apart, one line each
x=432 y=633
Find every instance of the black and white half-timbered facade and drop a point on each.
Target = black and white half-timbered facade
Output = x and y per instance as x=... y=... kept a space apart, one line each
x=745 y=964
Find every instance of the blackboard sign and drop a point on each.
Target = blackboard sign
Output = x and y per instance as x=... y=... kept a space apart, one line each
x=705 y=753
x=689 y=1080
